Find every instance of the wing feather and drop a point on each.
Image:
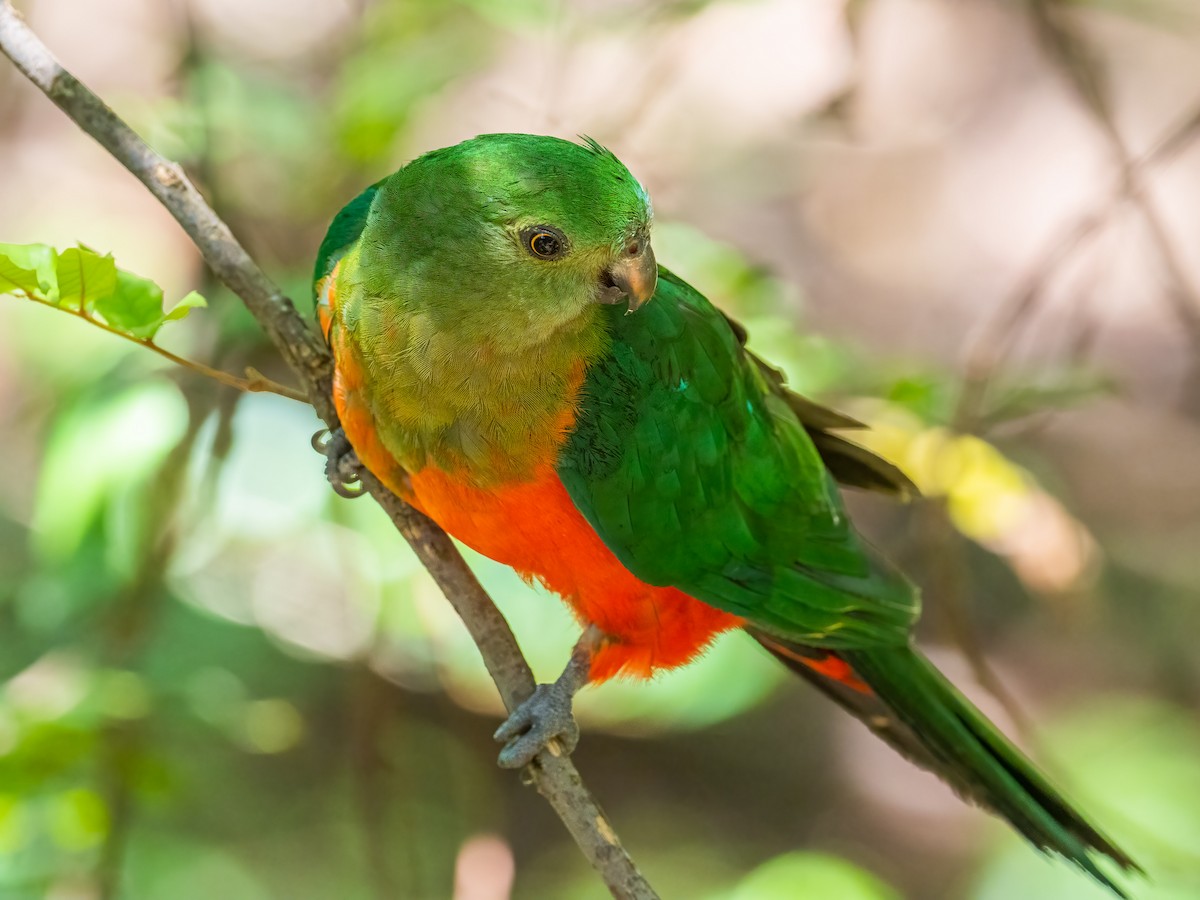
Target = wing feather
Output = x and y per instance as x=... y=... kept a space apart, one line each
x=697 y=470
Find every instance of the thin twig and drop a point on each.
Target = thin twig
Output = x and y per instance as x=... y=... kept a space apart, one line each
x=256 y=383
x=554 y=775
x=1073 y=59
x=989 y=350
x=1075 y=62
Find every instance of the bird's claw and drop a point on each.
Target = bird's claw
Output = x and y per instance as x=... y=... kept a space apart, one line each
x=544 y=717
x=342 y=465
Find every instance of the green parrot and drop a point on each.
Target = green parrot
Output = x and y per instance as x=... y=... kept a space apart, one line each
x=512 y=361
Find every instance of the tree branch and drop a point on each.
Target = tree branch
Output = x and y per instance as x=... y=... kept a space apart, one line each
x=1069 y=52
x=1000 y=334
x=553 y=774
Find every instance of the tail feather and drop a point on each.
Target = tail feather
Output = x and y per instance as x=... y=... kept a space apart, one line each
x=861 y=702
x=913 y=707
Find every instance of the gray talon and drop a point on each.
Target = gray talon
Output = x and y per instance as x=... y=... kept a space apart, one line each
x=547 y=715
x=341 y=463
x=542 y=718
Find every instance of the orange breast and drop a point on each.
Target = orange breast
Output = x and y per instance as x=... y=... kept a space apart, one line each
x=535 y=528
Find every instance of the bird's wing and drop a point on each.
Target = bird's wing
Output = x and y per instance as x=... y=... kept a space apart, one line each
x=697 y=472
x=851 y=464
x=343 y=231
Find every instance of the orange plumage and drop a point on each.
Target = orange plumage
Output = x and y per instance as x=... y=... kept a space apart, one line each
x=534 y=527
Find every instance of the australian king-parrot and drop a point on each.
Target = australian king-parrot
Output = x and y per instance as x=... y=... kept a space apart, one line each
x=513 y=362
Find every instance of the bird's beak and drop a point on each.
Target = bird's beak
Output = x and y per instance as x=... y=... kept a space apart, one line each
x=633 y=275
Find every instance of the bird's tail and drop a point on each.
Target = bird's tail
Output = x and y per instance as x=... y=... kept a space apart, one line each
x=900 y=696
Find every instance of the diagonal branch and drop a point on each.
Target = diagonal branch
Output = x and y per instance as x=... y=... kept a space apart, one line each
x=998 y=338
x=1071 y=55
x=554 y=775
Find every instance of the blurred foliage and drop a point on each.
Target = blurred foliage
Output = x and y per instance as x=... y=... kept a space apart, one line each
x=821 y=876
x=223 y=681
x=1130 y=761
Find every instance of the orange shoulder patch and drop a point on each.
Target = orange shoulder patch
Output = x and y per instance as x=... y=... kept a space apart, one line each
x=327 y=300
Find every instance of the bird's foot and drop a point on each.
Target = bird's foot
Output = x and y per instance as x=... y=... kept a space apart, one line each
x=544 y=717
x=547 y=715
x=342 y=466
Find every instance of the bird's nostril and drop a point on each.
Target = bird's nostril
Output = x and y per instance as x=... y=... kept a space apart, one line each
x=633 y=248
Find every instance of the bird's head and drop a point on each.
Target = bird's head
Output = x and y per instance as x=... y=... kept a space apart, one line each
x=513 y=231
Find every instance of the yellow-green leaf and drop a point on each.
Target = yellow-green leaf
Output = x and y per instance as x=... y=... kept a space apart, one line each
x=81 y=278
x=85 y=278
x=191 y=300
x=135 y=307
x=811 y=875
x=15 y=278
x=37 y=258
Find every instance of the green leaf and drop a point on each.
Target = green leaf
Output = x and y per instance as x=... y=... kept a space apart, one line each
x=180 y=310
x=1054 y=391
x=515 y=14
x=97 y=453
x=85 y=278
x=15 y=278
x=38 y=258
x=135 y=307
x=81 y=278
x=929 y=395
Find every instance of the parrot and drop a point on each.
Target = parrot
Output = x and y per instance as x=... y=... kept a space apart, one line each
x=512 y=361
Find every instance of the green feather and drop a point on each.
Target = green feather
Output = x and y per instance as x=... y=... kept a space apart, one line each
x=757 y=500
x=343 y=231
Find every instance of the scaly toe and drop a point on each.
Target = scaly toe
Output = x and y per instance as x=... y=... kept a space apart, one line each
x=544 y=717
x=341 y=463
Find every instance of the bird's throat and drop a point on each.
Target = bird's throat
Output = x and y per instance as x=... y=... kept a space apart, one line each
x=469 y=403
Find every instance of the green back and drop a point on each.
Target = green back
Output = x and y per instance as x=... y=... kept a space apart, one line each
x=343 y=231
x=694 y=468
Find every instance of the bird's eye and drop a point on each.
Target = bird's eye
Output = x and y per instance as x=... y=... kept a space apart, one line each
x=545 y=242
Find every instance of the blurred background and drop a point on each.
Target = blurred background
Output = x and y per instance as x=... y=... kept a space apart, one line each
x=972 y=223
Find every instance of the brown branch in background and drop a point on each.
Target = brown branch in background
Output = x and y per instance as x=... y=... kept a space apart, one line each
x=553 y=774
x=1072 y=57
x=995 y=343
x=1071 y=54
x=997 y=340
x=999 y=336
